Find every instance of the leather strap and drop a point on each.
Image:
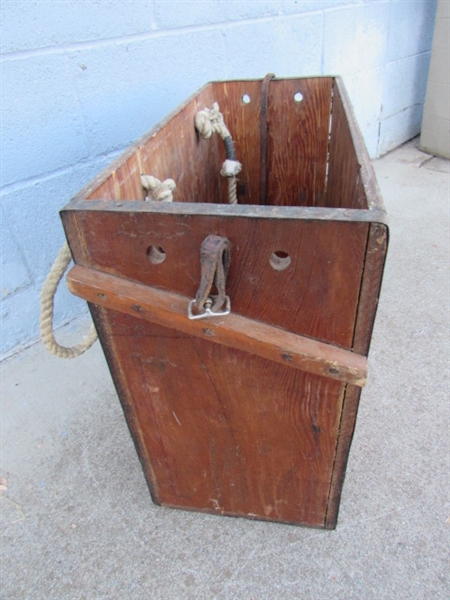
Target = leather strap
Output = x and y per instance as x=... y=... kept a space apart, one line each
x=264 y=135
x=215 y=260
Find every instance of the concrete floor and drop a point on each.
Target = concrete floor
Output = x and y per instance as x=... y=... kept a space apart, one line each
x=77 y=518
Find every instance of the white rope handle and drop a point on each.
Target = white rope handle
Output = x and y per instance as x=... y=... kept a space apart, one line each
x=158 y=191
x=209 y=121
x=47 y=306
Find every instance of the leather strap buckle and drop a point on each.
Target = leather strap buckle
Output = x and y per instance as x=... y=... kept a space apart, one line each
x=207 y=312
x=215 y=261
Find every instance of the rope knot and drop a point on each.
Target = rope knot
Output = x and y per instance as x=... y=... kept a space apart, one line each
x=57 y=271
x=209 y=121
x=158 y=191
x=230 y=168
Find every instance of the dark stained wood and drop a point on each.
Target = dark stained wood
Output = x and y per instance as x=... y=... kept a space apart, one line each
x=280 y=213
x=371 y=190
x=107 y=190
x=220 y=425
x=243 y=120
x=179 y=153
x=264 y=134
x=170 y=310
x=316 y=296
x=104 y=327
x=367 y=306
x=346 y=429
x=372 y=276
x=345 y=188
x=269 y=457
x=371 y=284
x=298 y=141
x=128 y=176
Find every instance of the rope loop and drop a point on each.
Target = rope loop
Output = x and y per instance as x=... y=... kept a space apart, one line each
x=158 y=191
x=48 y=292
x=230 y=168
x=209 y=121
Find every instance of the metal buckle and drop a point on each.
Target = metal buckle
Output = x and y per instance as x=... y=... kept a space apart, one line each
x=207 y=312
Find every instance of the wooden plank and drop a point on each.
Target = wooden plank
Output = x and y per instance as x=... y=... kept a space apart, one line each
x=242 y=119
x=371 y=285
x=367 y=175
x=315 y=296
x=225 y=431
x=298 y=141
x=129 y=179
x=95 y=190
x=344 y=439
x=179 y=153
x=106 y=190
x=126 y=396
x=367 y=306
x=170 y=310
x=281 y=213
x=245 y=130
x=344 y=186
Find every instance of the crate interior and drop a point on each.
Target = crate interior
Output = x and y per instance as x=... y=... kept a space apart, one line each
x=309 y=158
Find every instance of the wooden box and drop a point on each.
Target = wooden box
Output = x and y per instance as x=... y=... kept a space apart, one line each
x=252 y=413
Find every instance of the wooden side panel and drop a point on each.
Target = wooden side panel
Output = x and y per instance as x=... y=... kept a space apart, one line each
x=367 y=306
x=370 y=291
x=297 y=147
x=345 y=187
x=170 y=310
x=373 y=199
x=316 y=295
x=227 y=432
x=344 y=439
x=243 y=122
x=129 y=178
x=107 y=190
x=298 y=141
x=179 y=153
x=173 y=151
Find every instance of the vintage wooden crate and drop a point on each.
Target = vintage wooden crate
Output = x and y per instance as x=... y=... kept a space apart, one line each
x=252 y=413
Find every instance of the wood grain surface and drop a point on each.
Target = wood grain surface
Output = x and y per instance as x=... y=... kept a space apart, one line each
x=171 y=310
x=316 y=295
x=222 y=430
x=298 y=141
x=225 y=425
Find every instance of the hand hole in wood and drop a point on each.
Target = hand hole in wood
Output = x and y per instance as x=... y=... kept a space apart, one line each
x=246 y=99
x=156 y=255
x=280 y=260
x=298 y=96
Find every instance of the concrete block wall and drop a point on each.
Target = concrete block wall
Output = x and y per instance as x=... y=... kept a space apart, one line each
x=435 y=134
x=82 y=80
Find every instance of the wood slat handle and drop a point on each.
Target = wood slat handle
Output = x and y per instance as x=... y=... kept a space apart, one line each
x=170 y=310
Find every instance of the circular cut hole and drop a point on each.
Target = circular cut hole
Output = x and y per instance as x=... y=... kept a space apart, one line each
x=156 y=255
x=298 y=96
x=280 y=260
x=246 y=99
